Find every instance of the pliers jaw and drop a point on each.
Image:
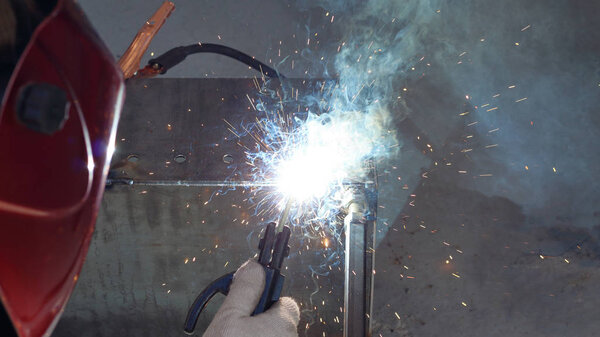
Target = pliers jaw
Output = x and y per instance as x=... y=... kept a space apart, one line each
x=273 y=249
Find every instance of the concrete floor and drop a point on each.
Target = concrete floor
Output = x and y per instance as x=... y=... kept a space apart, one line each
x=489 y=222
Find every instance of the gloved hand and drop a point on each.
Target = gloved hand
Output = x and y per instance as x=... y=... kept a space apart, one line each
x=233 y=318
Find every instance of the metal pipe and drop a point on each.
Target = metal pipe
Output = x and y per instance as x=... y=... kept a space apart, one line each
x=356 y=286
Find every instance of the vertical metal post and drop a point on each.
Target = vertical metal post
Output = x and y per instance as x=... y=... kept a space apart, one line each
x=360 y=231
x=359 y=254
x=354 y=287
x=369 y=246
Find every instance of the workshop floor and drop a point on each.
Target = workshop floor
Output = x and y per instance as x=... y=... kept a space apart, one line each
x=489 y=222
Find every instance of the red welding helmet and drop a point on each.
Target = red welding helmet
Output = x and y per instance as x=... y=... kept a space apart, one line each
x=62 y=97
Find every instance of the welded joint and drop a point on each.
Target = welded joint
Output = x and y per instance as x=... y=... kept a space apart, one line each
x=356 y=206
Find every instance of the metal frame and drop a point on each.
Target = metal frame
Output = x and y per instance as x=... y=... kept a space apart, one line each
x=204 y=167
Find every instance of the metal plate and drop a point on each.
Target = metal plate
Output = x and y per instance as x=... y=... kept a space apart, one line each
x=185 y=130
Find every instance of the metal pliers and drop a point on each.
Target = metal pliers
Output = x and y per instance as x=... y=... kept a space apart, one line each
x=273 y=249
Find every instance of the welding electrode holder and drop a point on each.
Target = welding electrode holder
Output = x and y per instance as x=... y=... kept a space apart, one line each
x=273 y=249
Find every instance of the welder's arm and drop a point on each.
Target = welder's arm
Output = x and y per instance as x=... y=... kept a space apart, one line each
x=233 y=318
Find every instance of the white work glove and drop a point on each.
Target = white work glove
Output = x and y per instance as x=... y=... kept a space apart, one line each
x=233 y=318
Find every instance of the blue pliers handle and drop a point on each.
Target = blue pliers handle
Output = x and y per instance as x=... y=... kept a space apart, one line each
x=273 y=249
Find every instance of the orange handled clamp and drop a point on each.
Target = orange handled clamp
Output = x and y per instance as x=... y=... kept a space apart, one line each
x=131 y=59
